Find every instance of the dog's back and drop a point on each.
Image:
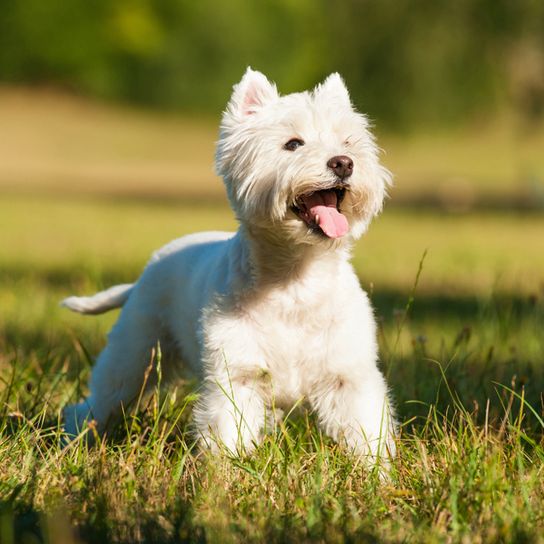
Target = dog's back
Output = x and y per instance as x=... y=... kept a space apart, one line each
x=116 y=296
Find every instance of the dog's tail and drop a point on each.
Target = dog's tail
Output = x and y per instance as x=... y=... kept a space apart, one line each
x=101 y=302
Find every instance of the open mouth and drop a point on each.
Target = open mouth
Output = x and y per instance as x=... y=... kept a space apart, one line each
x=320 y=210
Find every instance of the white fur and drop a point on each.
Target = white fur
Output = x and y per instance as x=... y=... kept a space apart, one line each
x=271 y=314
x=111 y=298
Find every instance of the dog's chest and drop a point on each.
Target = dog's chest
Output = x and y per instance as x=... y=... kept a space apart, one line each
x=289 y=336
x=295 y=331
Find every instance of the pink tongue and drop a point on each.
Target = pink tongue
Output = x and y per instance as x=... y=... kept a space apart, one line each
x=322 y=209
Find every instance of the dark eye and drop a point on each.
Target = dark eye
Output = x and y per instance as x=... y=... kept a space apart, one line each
x=293 y=144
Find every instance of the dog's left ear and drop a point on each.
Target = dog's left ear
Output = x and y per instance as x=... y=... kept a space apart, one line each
x=253 y=92
x=333 y=89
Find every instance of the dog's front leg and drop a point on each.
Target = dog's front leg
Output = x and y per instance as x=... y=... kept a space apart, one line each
x=353 y=408
x=231 y=411
x=230 y=414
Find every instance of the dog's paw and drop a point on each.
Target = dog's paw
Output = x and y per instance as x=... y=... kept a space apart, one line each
x=76 y=419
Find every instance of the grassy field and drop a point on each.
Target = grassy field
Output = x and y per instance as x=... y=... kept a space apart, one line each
x=463 y=350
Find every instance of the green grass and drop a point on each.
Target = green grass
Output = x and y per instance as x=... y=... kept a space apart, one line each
x=464 y=352
x=454 y=479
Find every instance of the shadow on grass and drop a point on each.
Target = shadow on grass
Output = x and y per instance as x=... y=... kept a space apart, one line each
x=69 y=277
x=474 y=350
x=460 y=306
x=22 y=523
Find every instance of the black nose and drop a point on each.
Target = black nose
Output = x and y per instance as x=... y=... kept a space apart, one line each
x=341 y=165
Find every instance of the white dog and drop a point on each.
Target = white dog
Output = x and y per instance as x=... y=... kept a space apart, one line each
x=273 y=313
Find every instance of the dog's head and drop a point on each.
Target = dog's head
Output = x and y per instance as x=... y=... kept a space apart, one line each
x=304 y=164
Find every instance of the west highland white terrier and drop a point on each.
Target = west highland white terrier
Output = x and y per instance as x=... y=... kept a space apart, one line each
x=273 y=313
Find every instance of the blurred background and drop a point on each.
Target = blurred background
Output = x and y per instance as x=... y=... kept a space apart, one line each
x=456 y=89
x=109 y=113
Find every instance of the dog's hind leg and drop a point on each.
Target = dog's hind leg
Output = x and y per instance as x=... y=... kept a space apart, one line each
x=123 y=371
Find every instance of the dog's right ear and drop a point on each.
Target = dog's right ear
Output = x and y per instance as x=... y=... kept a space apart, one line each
x=333 y=90
x=253 y=92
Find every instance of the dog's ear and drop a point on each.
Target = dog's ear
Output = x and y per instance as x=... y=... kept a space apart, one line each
x=333 y=89
x=253 y=92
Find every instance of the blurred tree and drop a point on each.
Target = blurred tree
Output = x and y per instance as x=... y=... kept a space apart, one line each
x=407 y=62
